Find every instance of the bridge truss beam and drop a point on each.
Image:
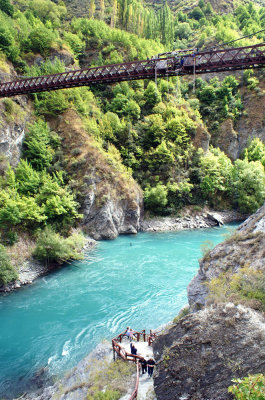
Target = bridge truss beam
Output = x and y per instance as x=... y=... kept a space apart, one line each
x=171 y=64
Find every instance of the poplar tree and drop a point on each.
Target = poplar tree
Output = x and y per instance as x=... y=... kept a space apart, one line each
x=114 y=14
x=102 y=9
x=124 y=13
x=92 y=9
x=166 y=24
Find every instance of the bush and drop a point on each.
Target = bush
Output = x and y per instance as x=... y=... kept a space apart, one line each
x=249 y=388
x=7 y=271
x=40 y=39
x=52 y=247
x=156 y=197
x=248 y=185
x=107 y=395
x=40 y=144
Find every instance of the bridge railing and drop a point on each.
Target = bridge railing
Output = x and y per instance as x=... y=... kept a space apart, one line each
x=172 y=64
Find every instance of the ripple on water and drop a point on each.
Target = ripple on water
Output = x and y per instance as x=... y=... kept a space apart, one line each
x=138 y=281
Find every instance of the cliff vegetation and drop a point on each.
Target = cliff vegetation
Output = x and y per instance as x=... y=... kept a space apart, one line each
x=88 y=158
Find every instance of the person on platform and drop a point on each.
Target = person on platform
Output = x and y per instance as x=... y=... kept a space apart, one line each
x=131 y=335
x=133 y=349
x=127 y=333
x=143 y=363
x=150 y=366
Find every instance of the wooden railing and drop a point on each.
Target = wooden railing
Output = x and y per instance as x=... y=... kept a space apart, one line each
x=146 y=337
x=120 y=350
x=135 y=392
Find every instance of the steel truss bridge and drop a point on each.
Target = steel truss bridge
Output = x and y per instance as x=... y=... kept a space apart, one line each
x=176 y=63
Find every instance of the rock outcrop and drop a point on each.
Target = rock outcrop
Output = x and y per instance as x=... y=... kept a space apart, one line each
x=244 y=248
x=228 y=139
x=190 y=220
x=198 y=357
x=15 y=114
x=74 y=385
x=111 y=201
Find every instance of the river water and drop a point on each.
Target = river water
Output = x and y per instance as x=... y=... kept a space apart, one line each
x=136 y=280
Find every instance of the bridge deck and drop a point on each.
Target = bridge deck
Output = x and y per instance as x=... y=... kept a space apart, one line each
x=171 y=64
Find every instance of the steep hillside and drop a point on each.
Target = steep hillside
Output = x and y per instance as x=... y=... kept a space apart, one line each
x=111 y=201
x=234 y=270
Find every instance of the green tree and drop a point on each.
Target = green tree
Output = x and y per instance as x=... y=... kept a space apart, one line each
x=28 y=180
x=7 y=7
x=151 y=131
x=52 y=247
x=166 y=24
x=41 y=39
x=155 y=198
x=196 y=13
x=255 y=151
x=248 y=186
x=40 y=144
x=215 y=174
x=57 y=201
x=152 y=95
x=183 y=30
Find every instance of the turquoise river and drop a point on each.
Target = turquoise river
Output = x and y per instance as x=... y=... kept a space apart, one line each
x=136 y=280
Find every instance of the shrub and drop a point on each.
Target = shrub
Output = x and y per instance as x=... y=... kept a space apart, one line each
x=40 y=39
x=52 y=247
x=39 y=145
x=156 y=198
x=248 y=185
x=7 y=271
x=107 y=395
x=249 y=388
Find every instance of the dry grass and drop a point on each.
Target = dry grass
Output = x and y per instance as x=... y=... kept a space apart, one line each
x=21 y=250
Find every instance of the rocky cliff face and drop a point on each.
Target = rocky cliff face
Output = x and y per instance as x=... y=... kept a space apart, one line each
x=199 y=356
x=233 y=138
x=15 y=114
x=244 y=248
x=111 y=201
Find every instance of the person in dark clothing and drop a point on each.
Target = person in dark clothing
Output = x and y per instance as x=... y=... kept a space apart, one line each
x=150 y=364
x=133 y=349
x=143 y=363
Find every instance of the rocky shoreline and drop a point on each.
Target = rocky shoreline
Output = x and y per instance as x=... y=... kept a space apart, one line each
x=33 y=269
x=204 y=219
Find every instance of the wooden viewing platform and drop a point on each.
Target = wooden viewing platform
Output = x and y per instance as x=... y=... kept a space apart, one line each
x=143 y=341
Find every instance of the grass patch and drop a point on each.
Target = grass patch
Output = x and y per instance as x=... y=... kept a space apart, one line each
x=113 y=378
x=247 y=287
